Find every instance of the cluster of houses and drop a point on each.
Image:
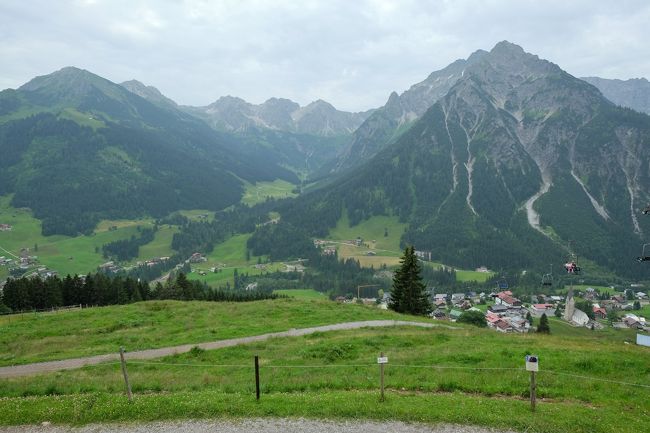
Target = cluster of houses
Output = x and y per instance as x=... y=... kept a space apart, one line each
x=509 y=314
x=110 y=267
x=327 y=247
x=5 y=228
x=153 y=262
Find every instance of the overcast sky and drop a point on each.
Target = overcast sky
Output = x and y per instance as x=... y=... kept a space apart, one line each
x=348 y=52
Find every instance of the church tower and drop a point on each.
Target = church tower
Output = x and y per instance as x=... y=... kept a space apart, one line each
x=570 y=306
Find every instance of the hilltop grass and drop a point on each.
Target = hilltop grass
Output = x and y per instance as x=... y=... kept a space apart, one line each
x=302 y=294
x=145 y=325
x=260 y=191
x=335 y=375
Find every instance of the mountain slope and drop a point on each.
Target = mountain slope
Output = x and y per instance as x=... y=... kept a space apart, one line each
x=77 y=148
x=385 y=123
x=516 y=160
x=633 y=93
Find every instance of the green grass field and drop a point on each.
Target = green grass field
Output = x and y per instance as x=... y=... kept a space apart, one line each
x=81 y=254
x=65 y=254
x=466 y=376
x=302 y=294
x=371 y=230
x=49 y=336
x=228 y=256
x=161 y=246
x=260 y=191
x=386 y=248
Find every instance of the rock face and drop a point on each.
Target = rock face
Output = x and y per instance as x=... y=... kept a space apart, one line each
x=385 y=123
x=633 y=93
x=149 y=93
x=516 y=159
x=319 y=118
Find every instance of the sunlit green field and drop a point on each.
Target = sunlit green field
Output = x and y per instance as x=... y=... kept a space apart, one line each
x=260 y=191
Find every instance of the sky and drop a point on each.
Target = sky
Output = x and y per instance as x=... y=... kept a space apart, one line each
x=352 y=54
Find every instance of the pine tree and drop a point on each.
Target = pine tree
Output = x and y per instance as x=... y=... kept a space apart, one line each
x=543 y=325
x=408 y=294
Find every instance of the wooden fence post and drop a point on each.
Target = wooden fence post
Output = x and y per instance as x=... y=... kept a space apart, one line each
x=126 y=376
x=381 y=376
x=257 y=377
x=533 y=391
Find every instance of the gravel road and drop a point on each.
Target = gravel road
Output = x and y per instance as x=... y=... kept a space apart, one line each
x=258 y=426
x=69 y=364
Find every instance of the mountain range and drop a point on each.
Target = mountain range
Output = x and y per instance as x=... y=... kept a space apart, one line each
x=501 y=159
x=516 y=164
x=633 y=93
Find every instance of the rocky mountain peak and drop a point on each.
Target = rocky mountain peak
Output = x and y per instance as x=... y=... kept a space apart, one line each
x=149 y=93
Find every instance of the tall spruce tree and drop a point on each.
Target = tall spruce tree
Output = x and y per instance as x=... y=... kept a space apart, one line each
x=408 y=294
x=543 y=325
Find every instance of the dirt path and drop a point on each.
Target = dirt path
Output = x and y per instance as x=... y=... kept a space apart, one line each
x=271 y=425
x=69 y=364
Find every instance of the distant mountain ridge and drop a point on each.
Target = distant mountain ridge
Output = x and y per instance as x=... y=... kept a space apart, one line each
x=633 y=93
x=78 y=148
x=320 y=118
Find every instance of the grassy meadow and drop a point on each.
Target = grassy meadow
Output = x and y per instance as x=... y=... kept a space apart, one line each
x=79 y=254
x=260 y=191
x=302 y=294
x=386 y=249
x=146 y=325
x=228 y=256
x=465 y=375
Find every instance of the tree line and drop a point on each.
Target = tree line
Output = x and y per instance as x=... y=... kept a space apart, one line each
x=99 y=289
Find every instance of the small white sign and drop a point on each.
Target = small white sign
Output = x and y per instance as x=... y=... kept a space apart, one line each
x=532 y=363
x=382 y=360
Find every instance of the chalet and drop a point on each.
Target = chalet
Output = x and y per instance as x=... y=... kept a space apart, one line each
x=536 y=310
x=329 y=251
x=371 y=253
x=455 y=315
x=197 y=258
x=506 y=298
x=641 y=295
x=503 y=326
x=5 y=227
x=618 y=299
x=440 y=297
x=438 y=314
x=457 y=298
x=492 y=319
x=599 y=312
x=439 y=303
x=498 y=309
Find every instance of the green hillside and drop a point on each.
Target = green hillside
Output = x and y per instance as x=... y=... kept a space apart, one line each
x=467 y=375
x=146 y=325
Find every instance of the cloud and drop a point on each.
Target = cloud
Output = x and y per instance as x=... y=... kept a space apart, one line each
x=352 y=54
